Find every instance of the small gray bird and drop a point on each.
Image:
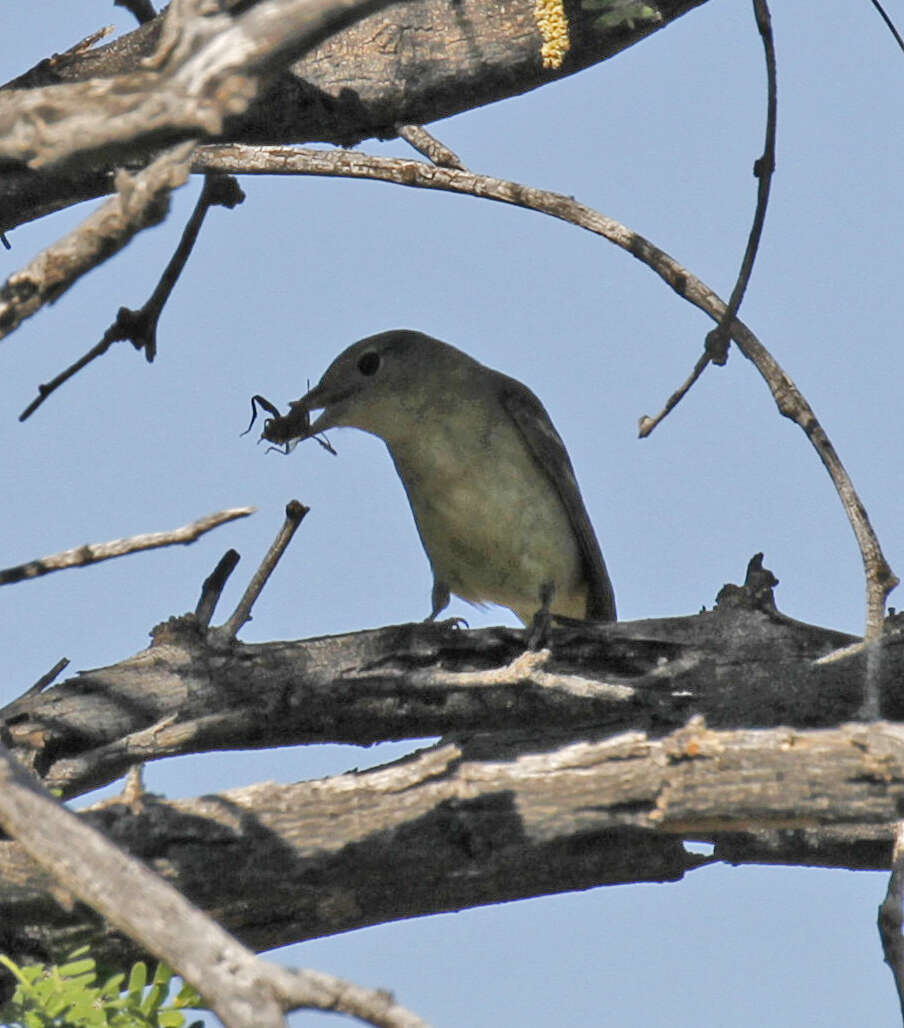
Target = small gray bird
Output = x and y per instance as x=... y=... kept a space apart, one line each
x=490 y=485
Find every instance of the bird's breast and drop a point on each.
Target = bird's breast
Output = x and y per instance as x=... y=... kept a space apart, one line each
x=489 y=517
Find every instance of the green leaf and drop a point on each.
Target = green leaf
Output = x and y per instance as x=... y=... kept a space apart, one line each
x=13 y=968
x=170 y=1019
x=113 y=986
x=188 y=996
x=152 y=1000
x=138 y=978
x=163 y=975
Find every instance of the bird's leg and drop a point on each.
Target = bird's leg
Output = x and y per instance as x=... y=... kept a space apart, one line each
x=536 y=634
x=439 y=599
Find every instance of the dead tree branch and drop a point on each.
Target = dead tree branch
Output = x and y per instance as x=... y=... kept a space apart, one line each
x=91 y=553
x=140 y=326
x=731 y=727
x=434 y=60
x=141 y=201
x=208 y=65
x=718 y=339
x=242 y=990
x=195 y=690
x=295 y=514
x=494 y=818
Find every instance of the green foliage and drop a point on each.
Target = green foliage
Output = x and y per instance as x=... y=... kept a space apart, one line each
x=617 y=13
x=69 y=995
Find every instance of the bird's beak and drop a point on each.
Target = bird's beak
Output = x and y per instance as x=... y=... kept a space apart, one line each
x=296 y=426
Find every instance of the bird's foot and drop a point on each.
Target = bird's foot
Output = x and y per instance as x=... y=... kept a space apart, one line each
x=447 y=623
x=537 y=632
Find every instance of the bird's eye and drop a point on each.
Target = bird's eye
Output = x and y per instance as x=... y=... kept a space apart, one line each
x=368 y=363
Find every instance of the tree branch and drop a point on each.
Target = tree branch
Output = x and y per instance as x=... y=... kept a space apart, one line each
x=195 y=690
x=91 y=553
x=207 y=66
x=140 y=327
x=295 y=514
x=722 y=727
x=497 y=817
x=717 y=340
x=434 y=60
x=141 y=201
x=244 y=991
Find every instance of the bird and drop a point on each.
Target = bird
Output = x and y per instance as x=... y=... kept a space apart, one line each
x=489 y=481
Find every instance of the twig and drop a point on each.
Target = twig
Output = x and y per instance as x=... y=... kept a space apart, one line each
x=295 y=513
x=719 y=338
x=94 y=552
x=435 y=151
x=140 y=326
x=213 y=586
x=47 y=71
x=45 y=679
x=891 y=918
x=237 y=159
x=646 y=424
x=889 y=24
x=141 y=201
x=244 y=991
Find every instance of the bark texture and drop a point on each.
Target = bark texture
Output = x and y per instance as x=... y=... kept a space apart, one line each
x=415 y=62
x=589 y=765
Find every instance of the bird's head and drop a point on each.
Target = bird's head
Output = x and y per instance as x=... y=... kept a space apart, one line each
x=376 y=385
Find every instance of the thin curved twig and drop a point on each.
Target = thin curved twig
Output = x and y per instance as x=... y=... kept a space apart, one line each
x=717 y=341
x=719 y=338
x=888 y=23
x=140 y=326
x=264 y=160
x=91 y=553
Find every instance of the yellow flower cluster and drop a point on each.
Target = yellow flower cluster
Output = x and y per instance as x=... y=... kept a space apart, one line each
x=553 y=27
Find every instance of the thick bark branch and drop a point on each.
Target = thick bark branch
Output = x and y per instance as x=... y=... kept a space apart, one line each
x=243 y=990
x=205 y=68
x=586 y=765
x=487 y=820
x=193 y=691
x=714 y=727
x=416 y=62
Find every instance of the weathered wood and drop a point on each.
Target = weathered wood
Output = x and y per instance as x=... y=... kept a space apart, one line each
x=589 y=764
x=415 y=63
x=191 y=692
x=483 y=821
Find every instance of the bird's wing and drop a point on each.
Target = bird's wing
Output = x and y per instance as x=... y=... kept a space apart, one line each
x=549 y=451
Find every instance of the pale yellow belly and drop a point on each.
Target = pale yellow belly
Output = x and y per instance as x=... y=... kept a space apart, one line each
x=493 y=526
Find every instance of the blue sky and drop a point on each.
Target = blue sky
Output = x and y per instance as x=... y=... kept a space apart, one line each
x=663 y=138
